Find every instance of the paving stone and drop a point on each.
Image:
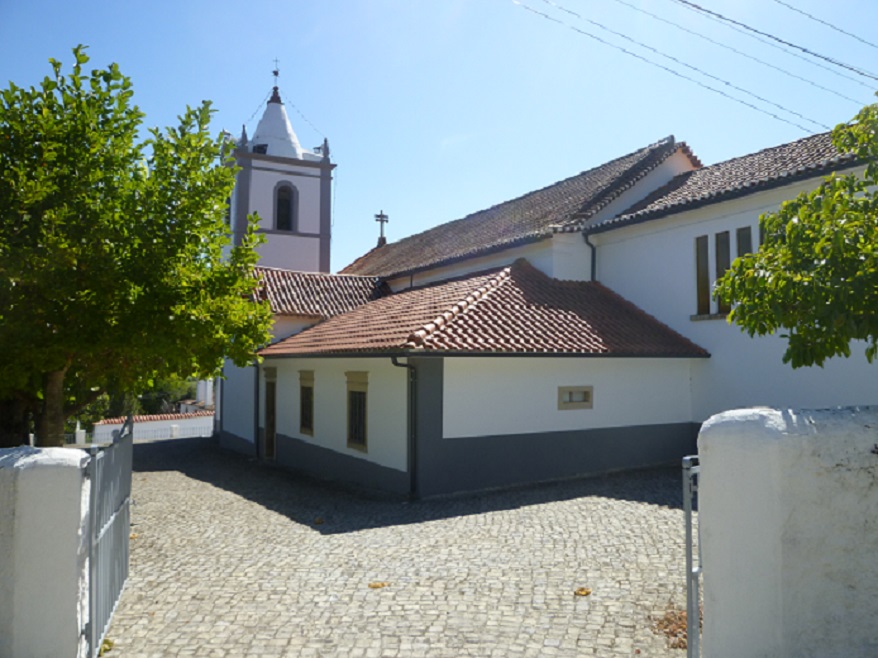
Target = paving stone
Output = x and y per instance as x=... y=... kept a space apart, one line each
x=228 y=561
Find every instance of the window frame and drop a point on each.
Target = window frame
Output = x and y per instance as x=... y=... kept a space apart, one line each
x=357 y=435
x=286 y=186
x=566 y=393
x=306 y=382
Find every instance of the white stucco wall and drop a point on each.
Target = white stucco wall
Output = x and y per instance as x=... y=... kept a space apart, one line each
x=653 y=265
x=487 y=396
x=238 y=401
x=787 y=512
x=386 y=416
x=43 y=552
x=539 y=254
x=265 y=176
x=285 y=326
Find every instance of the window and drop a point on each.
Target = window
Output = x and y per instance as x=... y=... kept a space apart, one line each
x=702 y=275
x=723 y=262
x=745 y=241
x=285 y=207
x=262 y=149
x=357 y=409
x=306 y=402
x=575 y=397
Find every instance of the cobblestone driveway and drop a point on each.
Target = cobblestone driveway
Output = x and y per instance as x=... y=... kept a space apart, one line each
x=231 y=558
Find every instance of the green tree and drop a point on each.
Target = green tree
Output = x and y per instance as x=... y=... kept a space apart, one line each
x=115 y=261
x=816 y=274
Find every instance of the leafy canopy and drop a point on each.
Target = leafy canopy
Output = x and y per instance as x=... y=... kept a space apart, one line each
x=816 y=274
x=116 y=266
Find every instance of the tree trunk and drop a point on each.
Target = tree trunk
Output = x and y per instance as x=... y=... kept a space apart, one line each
x=50 y=429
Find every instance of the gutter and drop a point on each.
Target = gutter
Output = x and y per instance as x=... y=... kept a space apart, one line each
x=411 y=409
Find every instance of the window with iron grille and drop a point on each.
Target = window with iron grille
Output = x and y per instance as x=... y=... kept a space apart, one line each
x=357 y=409
x=306 y=402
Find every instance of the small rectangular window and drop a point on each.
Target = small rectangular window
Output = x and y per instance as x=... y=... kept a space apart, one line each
x=306 y=402
x=357 y=409
x=575 y=397
x=702 y=275
x=745 y=241
x=723 y=262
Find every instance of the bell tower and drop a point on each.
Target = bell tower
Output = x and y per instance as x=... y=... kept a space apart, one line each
x=289 y=187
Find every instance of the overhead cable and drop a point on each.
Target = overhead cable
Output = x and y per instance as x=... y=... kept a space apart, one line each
x=826 y=23
x=661 y=66
x=826 y=58
x=740 y=52
x=686 y=64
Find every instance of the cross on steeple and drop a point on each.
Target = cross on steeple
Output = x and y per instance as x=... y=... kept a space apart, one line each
x=276 y=71
x=382 y=219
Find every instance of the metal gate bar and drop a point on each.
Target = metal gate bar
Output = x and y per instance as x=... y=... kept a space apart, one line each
x=110 y=527
x=691 y=473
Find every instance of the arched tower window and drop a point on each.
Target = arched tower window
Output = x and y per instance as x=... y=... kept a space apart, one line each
x=286 y=207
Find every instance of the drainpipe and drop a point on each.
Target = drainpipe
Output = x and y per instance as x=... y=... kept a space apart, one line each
x=411 y=408
x=594 y=256
x=256 y=407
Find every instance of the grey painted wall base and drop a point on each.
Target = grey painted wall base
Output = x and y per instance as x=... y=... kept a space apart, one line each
x=326 y=464
x=487 y=462
x=470 y=464
x=235 y=443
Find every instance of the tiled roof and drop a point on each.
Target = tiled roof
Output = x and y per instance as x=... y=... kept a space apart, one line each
x=154 y=417
x=316 y=294
x=517 y=310
x=528 y=218
x=773 y=167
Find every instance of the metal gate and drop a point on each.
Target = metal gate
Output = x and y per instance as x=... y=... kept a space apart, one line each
x=691 y=474
x=109 y=471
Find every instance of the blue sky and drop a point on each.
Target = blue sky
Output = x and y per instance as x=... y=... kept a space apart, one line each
x=438 y=108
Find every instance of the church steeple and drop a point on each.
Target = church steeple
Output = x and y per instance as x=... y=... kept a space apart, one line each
x=289 y=187
x=274 y=135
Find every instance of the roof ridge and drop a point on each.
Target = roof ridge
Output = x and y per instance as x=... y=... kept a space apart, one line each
x=644 y=152
x=418 y=336
x=326 y=274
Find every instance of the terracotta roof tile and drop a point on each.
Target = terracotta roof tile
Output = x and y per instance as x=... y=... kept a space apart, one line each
x=155 y=417
x=516 y=309
x=766 y=169
x=316 y=294
x=528 y=218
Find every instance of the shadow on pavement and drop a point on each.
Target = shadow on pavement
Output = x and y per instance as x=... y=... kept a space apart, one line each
x=331 y=508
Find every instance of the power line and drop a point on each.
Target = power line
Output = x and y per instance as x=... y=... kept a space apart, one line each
x=740 y=52
x=657 y=65
x=726 y=19
x=826 y=23
x=686 y=64
x=304 y=118
x=789 y=52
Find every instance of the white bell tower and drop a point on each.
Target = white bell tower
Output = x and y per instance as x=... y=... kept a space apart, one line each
x=291 y=189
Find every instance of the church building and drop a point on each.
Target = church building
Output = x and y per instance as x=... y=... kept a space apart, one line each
x=568 y=332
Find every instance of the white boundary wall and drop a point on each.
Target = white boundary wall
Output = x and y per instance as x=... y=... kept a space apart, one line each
x=176 y=427
x=788 y=511
x=43 y=552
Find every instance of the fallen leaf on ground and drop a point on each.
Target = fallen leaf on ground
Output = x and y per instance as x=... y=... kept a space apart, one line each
x=582 y=591
x=378 y=584
x=133 y=535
